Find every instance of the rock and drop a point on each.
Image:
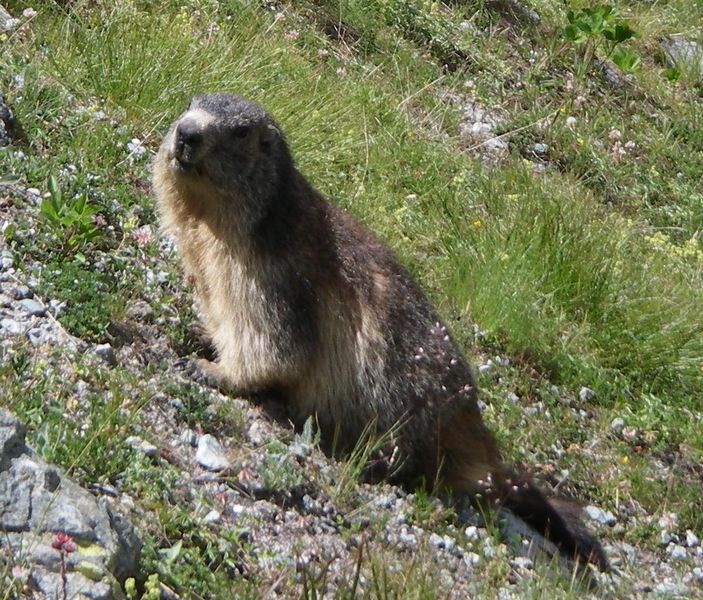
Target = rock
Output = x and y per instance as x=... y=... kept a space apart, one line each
x=210 y=454
x=488 y=549
x=677 y=552
x=666 y=538
x=140 y=445
x=10 y=327
x=683 y=54
x=691 y=539
x=478 y=128
x=670 y=589
x=698 y=574
x=33 y=307
x=521 y=562
x=188 y=437
x=436 y=540
x=12 y=434
x=668 y=521
x=6 y=260
x=603 y=517
x=513 y=398
x=540 y=149
x=516 y=12
x=140 y=311
x=7 y=23
x=617 y=424
x=257 y=433
x=472 y=559
x=586 y=394
x=471 y=532
x=106 y=352
x=300 y=450
x=40 y=335
x=42 y=511
x=6 y=120
x=212 y=517
x=21 y=292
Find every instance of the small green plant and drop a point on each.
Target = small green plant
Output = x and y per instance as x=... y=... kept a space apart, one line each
x=71 y=221
x=595 y=27
x=279 y=473
x=152 y=588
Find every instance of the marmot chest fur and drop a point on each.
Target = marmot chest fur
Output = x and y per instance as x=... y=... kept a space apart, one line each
x=298 y=298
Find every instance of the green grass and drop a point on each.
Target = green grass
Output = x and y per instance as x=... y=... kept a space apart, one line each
x=589 y=274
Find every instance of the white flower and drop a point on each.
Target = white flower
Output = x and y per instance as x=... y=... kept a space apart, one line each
x=135 y=147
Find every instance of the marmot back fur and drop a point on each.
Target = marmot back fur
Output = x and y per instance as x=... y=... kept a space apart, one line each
x=299 y=299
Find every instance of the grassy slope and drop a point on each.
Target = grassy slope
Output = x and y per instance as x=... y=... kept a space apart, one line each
x=586 y=275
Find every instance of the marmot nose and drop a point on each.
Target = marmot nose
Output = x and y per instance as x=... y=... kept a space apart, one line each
x=189 y=137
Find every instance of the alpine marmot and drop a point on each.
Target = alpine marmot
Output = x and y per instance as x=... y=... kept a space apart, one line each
x=301 y=300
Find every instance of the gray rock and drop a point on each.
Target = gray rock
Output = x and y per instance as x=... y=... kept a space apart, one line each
x=472 y=532
x=540 y=149
x=12 y=434
x=617 y=424
x=7 y=23
x=670 y=589
x=56 y=306
x=6 y=260
x=77 y=586
x=666 y=538
x=37 y=336
x=472 y=559
x=5 y=116
x=210 y=454
x=513 y=398
x=188 y=437
x=677 y=552
x=300 y=450
x=683 y=54
x=407 y=538
x=257 y=433
x=21 y=292
x=37 y=502
x=10 y=327
x=141 y=445
x=436 y=540
x=488 y=549
x=586 y=394
x=140 y=310
x=603 y=517
x=691 y=539
x=33 y=307
x=106 y=352
x=522 y=562
x=698 y=574
x=212 y=517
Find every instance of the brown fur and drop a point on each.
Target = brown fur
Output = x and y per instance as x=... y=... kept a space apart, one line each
x=300 y=299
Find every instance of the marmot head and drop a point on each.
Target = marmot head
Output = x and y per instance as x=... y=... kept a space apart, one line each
x=229 y=146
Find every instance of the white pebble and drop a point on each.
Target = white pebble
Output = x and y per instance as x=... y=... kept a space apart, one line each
x=210 y=454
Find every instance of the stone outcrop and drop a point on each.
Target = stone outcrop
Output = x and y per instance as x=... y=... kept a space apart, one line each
x=57 y=539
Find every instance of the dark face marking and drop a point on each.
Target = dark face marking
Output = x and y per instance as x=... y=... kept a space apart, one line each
x=231 y=142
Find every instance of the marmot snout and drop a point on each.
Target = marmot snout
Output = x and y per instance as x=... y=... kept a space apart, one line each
x=298 y=298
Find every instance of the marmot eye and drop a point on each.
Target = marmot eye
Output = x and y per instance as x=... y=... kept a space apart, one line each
x=240 y=131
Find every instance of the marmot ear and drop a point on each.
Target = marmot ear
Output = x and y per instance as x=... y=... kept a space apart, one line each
x=268 y=135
